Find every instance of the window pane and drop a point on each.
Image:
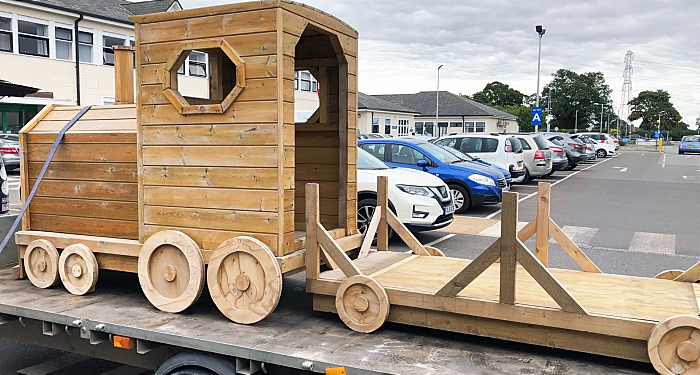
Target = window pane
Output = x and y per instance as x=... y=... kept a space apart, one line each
x=198 y=69
x=33 y=46
x=5 y=42
x=198 y=56
x=375 y=121
x=442 y=124
x=314 y=85
x=85 y=52
x=387 y=121
x=376 y=149
x=108 y=56
x=455 y=124
x=305 y=85
x=491 y=145
x=305 y=75
x=181 y=70
x=5 y=24
x=469 y=127
x=402 y=155
x=526 y=146
x=64 y=34
x=109 y=41
x=480 y=127
x=471 y=145
x=64 y=50
x=32 y=28
x=84 y=37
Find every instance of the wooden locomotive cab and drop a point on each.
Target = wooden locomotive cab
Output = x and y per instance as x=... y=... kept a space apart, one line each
x=172 y=182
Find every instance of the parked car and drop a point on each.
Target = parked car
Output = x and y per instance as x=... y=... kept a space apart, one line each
x=420 y=200
x=9 y=149
x=689 y=143
x=575 y=152
x=467 y=157
x=472 y=184
x=559 y=160
x=602 y=150
x=536 y=155
x=4 y=190
x=587 y=144
x=496 y=149
x=604 y=138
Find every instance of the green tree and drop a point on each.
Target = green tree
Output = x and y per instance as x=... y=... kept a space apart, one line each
x=522 y=113
x=572 y=92
x=649 y=105
x=498 y=94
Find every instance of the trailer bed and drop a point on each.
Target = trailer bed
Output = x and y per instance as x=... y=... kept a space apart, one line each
x=291 y=335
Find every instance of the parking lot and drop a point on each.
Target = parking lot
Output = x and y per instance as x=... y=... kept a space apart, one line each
x=632 y=214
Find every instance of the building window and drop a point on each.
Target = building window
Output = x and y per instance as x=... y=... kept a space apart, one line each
x=85 y=46
x=107 y=51
x=480 y=127
x=428 y=128
x=198 y=64
x=469 y=127
x=33 y=38
x=419 y=127
x=305 y=83
x=375 y=125
x=403 y=127
x=296 y=80
x=455 y=124
x=64 y=43
x=387 y=126
x=5 y=34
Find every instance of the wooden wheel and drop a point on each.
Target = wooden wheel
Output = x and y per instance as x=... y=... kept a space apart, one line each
x=171 y=271
x=362 y=303
x=78 y=269
x=669 y=275
x=41 y=263
x=245 y=280
x=674 y=346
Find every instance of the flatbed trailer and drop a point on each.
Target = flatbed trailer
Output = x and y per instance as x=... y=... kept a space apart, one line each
x=293 y=338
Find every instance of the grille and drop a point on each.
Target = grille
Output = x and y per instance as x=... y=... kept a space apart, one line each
x=502 y=183
x=443 y=219
x=443 y=191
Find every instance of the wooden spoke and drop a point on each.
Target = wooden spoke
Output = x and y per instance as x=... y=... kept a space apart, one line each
x=669 y=274
x=41 y=263
x=171 y=271
x=674 y=345
x=245 y=280
x=362 y=303
x=434 y=251
x=78 y=268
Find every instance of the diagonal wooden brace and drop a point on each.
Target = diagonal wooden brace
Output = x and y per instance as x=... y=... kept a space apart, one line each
x=471 y=271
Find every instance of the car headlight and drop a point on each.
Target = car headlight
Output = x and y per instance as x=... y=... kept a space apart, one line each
x=415 y=190
x=479 y=179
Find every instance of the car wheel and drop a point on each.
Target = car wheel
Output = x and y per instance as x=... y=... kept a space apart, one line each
x=526 y=177
x=601 y=153
x=461 y=198
x=365 y=211
x=680 y=152
x=550 y=173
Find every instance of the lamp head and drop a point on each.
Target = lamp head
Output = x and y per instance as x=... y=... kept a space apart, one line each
x=540 y=30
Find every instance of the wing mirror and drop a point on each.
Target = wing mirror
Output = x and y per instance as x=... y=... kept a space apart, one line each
x=423 y=164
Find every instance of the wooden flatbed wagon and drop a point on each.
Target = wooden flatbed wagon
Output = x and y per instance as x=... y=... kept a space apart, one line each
x=193 y=191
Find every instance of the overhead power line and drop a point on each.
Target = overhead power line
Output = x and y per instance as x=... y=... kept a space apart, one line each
x=668 y=65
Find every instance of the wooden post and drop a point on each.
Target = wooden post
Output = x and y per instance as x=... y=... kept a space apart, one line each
x=542 y=238
x=509 y=243
x=123 y=75
x=312 y=219
x=383 y=204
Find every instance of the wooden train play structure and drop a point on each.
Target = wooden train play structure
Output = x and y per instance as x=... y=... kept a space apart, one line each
x=229 y=192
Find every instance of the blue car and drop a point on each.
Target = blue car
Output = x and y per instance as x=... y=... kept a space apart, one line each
x=689 y=143
x=472 y=183
x=467 y=157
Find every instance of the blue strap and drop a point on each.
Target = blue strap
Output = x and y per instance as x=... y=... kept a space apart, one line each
x=56 y=142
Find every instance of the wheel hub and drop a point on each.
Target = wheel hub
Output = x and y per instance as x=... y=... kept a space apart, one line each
x=41 y=265
x=76 y=270
x=361 y=304
x=169 y=273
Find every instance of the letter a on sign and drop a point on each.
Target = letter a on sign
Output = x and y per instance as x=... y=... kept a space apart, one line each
x=536 y=115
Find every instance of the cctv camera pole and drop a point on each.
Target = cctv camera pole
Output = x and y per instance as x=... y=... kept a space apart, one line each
x=541 y=32
x=576 y=123
x=437 y=103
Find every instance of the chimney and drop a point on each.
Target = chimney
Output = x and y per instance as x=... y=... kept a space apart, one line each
x=123 y=75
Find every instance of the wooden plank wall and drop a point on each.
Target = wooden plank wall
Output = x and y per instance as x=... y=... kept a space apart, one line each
x=90 y=187
x=215 y=176
x=324 y=153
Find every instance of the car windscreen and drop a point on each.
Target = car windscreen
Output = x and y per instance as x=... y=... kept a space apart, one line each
x=460 y=154
x=541 y=142
x=439 y=153
x=365 y=160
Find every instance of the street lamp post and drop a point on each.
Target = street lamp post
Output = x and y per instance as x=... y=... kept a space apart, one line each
x=541 y=32
x=576 y=123
x=601 y=115
x=437 y=101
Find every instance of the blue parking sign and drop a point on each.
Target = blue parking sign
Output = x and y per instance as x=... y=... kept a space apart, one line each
x=657 y=133
x=536 y=115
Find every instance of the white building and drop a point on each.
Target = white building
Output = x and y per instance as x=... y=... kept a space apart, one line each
x=375 y=115
x=39 y=42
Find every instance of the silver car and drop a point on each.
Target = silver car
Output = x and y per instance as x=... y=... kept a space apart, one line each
x=588 y=143
x=9 y=149
x=536 y=155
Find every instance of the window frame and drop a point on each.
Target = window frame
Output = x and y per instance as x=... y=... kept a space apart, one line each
x=387 y=125
x=46 y=38
x=202 y=64
x=91 y=45
x=108 y=49
x=477 y=125
x=403 y=127
x=469 y=127
x=58 y=40
x=9 y=32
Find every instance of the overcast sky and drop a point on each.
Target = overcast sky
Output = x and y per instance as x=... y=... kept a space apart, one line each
x=403 y=42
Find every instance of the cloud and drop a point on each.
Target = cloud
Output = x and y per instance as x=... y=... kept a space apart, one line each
x=402 y=43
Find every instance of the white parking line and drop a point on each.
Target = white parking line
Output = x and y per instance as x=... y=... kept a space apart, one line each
x=554 y=183
x=657 y=243
x=447 y=237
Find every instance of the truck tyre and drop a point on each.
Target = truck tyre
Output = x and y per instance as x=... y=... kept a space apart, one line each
x=197 y=364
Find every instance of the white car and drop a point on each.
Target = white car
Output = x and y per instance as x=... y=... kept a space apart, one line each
x=604 y=138
x=420 y=200
x=604 y=149
x=497 y=149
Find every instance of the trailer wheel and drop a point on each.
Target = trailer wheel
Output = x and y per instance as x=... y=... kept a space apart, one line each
x=674 y=345
x=78 y=269
x=362 y=303
x=244 y=280
x=197 y=364
x=41 y=263
x=171 y=271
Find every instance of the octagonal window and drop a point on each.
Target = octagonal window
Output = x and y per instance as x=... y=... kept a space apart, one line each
x=225 y=78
